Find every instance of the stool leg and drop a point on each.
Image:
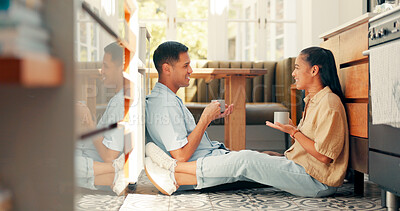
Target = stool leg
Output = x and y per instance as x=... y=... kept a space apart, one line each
x=392 y=201
x=383 y=198
x=358 y=183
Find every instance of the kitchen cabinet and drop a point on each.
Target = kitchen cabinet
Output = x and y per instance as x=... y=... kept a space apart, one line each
x=347 y=43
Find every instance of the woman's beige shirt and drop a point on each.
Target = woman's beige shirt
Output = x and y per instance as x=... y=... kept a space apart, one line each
x=324 y=121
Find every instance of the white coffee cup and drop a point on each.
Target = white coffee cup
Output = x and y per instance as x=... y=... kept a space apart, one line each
x=281 y=117
x=222 y=103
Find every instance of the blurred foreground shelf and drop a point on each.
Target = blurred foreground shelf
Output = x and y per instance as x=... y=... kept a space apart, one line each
x=31 y=72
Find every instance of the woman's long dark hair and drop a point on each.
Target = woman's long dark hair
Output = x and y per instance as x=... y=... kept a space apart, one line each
x=325 y=60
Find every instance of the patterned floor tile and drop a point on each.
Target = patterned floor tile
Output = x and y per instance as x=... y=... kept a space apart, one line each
x=339 y=203
x=144 y=186
x=270 y=192
x=316 y=203
x=188 y=200
x=271 y=199
x=98 y=202
x=145 y=202
x=266 y=198
x=231 y=201
x=359 y=203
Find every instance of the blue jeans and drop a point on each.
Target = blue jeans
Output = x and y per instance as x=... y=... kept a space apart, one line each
x=85 y=154
x=84 y=175
x=258 y=167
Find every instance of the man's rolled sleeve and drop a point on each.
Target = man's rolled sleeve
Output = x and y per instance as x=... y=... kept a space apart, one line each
x=114 y=139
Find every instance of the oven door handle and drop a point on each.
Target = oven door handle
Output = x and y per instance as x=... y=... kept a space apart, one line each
x=366 y=53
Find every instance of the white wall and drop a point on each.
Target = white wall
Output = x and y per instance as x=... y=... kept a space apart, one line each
x=348 y=10
x=318 y=16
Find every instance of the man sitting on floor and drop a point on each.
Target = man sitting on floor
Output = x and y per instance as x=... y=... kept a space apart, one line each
x=169 y=123
x=100 y=162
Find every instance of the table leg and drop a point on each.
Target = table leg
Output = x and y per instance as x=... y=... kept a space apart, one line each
x=235 y=124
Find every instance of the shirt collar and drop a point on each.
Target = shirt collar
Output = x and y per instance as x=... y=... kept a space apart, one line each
x=159 y=87
x=317 y=97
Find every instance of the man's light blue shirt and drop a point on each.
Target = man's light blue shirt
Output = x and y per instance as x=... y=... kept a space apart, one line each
x=169 y=123
x=113 y=139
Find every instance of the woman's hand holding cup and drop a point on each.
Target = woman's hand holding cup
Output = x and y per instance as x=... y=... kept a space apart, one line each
x=282 y=122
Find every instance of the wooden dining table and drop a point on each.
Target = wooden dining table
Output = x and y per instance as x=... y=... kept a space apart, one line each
x=235 y=93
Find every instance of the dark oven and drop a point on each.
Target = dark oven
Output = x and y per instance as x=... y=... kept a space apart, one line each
x=384 y=123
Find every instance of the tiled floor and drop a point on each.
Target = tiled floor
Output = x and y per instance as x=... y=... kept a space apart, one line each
x=147 y=197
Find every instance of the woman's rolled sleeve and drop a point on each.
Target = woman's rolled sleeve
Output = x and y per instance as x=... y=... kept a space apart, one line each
x=330 y=134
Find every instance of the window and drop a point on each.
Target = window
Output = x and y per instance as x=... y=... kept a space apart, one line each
x=281 y=29
x=185 y=21
x=154 y=14
x=87 y=40
x=247 y=29
x=268 y=28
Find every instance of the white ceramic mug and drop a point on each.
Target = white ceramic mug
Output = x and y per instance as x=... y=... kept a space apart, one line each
x=222 y=103
x=281 y=117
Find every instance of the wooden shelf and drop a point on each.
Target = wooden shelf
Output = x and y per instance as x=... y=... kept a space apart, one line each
x=31 y=72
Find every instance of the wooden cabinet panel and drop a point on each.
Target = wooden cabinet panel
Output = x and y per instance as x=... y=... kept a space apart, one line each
x=357 y=115
x=352 y=43
x=358 y=154
x=354 y=81
x=333 y=45
x=347 y=44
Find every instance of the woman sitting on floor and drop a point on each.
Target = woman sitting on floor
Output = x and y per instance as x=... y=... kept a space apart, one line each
x=314 y=166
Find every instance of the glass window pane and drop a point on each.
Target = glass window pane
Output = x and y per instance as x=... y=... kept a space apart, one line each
x=241 y=41
x=121 y=12
x=193 y=9
x=279 y=29
x=279 y=48
x=94 y=55
x=242 y=9
x=197 y=44
x=82 y=15
x=232 y=48
x=158 y=35
x=281 y=42
x=83 y=32
x=83 y=53
x=93 y=34
x=152 y=9
x=279 y=9
x=269 y=9
x=233 y=12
